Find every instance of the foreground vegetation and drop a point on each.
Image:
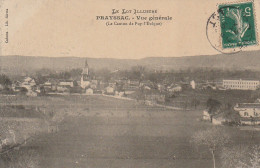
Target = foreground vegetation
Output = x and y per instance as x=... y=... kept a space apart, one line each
x=97 y=131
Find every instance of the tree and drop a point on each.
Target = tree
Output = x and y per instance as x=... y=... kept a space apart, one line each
x=137 y=72
x=232 y=156
x=241 y=157
x=213 y=105
x=4 y=80
x=213 y=138
x=195 y=102
x=40 y=79
x=254 y=158
x=21 y=159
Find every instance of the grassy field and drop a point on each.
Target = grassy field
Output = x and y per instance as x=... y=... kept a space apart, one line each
x=99 y=132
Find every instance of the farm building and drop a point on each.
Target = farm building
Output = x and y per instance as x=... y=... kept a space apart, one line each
x=249 y=113
x=222 y=117
x=218 y=119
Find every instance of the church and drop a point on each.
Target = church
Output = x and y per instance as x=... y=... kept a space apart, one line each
x=85 y=81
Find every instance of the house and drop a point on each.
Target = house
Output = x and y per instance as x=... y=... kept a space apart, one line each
x=47 y=86
x=218 y=119
x=63 y=88
x=109 y=90
x=134 y=83
x=31 y=93
x=154 y=97
x=29 y=80
x=112 y=84
x=161 y=87
x=174 y=88
x=208 y=86
x=94 y=82
x=147 y=87
x=21 y=90
x=249 y=113
x=222 y=117
x=206 y=115
x=16 y=84
x=28 y=83
x=221 y=88
x=130 y=85
x=215 y=118
x=65 y=83
x=193 y=84
x=51 y=85
x=93 y=86
x=89 y=91
x=120 y=94
x=1 y=87
x=248 y=109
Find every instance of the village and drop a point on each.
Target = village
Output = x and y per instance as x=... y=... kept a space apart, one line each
x=217 y=99
x=174 y=95
x=108 y=107
x=161 y=93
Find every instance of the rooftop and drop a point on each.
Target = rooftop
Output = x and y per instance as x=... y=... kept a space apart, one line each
x=248 y=105
x=237 y=79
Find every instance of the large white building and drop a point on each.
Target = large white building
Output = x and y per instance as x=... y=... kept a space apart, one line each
x=240 y=84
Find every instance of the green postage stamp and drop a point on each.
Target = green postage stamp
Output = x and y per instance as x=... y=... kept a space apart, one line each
x=237 y=24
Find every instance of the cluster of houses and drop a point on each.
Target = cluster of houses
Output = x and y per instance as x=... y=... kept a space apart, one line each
x=86 y=85
x=247 y=114
x=31 y=87
x=120 y=87
x=152 y=93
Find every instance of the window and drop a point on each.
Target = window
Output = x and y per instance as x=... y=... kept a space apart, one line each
x=246 y=114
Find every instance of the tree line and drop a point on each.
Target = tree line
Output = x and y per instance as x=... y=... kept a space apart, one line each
x=141 y=73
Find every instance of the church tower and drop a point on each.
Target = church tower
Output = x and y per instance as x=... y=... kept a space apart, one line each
x=84 y=82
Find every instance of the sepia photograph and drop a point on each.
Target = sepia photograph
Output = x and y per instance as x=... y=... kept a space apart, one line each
x=129 y=84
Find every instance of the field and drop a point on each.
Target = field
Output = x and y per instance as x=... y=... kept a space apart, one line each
x=98 y=131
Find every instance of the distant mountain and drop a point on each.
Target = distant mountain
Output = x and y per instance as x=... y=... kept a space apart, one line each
x=27 y=64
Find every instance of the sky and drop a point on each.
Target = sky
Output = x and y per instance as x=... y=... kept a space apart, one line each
x=64 y=28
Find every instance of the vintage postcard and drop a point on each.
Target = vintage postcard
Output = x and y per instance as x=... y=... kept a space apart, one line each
x=129 y=84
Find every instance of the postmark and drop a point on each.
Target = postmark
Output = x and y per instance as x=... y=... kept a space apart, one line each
x=232 y=27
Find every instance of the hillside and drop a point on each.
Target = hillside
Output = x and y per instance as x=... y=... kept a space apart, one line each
x=25 y=64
